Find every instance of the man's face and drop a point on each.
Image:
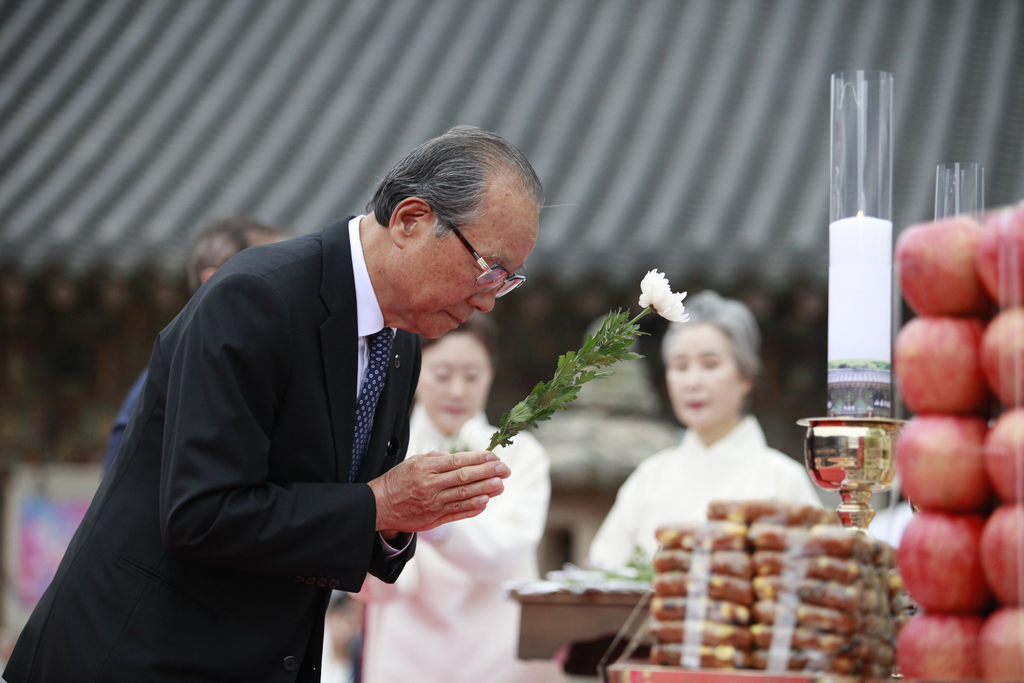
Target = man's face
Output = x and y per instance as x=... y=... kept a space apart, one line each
x=437 y=277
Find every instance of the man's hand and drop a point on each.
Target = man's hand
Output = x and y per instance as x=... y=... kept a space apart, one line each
x=425 y=491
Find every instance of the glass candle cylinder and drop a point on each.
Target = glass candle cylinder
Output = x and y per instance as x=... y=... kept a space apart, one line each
x=959 y=188
x=860 y=295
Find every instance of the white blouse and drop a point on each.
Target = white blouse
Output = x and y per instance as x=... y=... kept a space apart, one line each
x=447 y=618
x=677 y=484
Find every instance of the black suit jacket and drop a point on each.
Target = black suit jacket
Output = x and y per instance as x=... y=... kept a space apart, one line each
x=211 y=547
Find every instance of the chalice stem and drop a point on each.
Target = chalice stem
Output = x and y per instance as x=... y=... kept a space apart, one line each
x=855 y=511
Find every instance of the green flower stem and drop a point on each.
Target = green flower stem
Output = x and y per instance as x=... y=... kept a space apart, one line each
x=608 y=346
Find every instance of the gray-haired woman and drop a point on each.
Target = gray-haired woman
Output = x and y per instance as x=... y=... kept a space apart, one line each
x=711 y=363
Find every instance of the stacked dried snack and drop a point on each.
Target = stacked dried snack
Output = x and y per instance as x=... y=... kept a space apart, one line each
x=826 y=594
x=702 y=583
x=763 y=579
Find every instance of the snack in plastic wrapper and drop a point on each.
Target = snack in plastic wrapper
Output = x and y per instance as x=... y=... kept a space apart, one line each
x=802 y=638
x=823 y=539
x=720 y=611
x=810 y=616
x=712 y=633
x=730 y=562
x=711 y=657
x=717 y=586
x=878 y=626
x=896 y=585
x=883 y=555
x=709 y=536
x=775 y=511
x=671 y=536
x=849 y=598
x=772 y=562
x=879 y=652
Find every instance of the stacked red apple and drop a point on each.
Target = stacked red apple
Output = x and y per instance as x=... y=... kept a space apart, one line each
x=959 y=364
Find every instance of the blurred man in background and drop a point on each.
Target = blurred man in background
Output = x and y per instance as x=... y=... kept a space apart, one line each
x=218 y=242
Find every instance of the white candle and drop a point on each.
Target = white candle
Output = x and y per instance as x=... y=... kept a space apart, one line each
x=860 y=311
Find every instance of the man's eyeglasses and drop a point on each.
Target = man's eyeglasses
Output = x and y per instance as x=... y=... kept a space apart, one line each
x=494 y=276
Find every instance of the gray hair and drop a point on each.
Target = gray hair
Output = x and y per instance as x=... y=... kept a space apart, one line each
x=731 y=317
x=450 y=173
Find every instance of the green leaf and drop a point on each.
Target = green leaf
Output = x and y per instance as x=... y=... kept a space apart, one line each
x=608 y=346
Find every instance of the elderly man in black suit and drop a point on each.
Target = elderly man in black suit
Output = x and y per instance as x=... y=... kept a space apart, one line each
x=261 y=468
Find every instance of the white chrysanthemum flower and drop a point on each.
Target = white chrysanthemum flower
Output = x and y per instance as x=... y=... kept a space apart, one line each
x=602 y=349
x=656 y=292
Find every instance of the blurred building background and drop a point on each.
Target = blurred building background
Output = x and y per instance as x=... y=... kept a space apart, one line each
x=689 y=136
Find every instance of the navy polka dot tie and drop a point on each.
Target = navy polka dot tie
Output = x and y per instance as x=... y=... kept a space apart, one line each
x=379 y=351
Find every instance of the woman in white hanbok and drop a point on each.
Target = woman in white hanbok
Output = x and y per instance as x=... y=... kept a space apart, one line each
x=447 y=618
x=710 y=366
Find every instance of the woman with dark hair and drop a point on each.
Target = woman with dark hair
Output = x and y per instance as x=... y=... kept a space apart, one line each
x=447 y=618
x=711 y=363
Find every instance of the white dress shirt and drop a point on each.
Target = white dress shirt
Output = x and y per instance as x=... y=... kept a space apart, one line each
x=369 y=317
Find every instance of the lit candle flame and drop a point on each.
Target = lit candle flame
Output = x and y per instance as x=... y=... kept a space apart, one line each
x=860 y=214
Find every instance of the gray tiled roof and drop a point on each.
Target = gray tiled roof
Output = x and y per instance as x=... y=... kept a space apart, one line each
x=687 y=136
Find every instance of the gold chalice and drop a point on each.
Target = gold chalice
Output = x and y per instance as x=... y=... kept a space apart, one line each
x=854 y=456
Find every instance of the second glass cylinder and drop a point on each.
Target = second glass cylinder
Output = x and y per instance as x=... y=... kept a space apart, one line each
x=959 y=189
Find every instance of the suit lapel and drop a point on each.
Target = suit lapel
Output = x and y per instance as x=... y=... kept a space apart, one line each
x=339 y=341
